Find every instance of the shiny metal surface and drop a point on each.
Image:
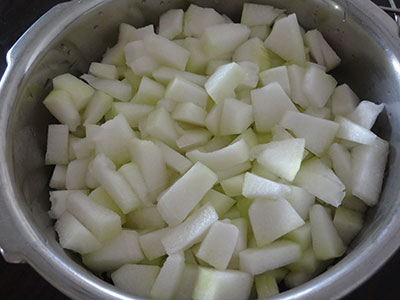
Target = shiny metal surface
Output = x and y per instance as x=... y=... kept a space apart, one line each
x=75 y=33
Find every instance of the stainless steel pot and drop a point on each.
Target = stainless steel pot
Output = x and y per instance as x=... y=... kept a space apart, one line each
x=73 y=34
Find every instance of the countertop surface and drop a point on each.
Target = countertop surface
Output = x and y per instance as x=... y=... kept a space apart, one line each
x=22 y=282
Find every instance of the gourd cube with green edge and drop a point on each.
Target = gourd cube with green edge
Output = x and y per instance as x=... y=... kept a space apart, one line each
x=266 y=285
x=189 y=112
x=198 y=60
x=138 y=60
x=275 y=255
x=164 y=75
x=58 y=200
x=114 y=55
x=291 y=48
x=260 y=31
x=97 y=107
x=354 y=203
x=57 y=145
x=367 y=185
x=80 y=91
x=140 y=33
x=257 y=14
x=319 y=112
x=353 y=132
x=167 y=103
x=61 y=106
x=74 y=236
x=342 y=164
x=145 y=218
x=241 y=244
x=300 y=200
x=365 y=113
x=198 y=18
x=99 y=220
x=171 y=23
x=348 y=223
x=179 y=199
x=188 y=281
x=253 y=50
x=255 y=187
x=277 y=74
x=91 y=182
x=179 y=89
x=104 y=71
x=214 y=64
x=233 y=213
x=236 y=117
x=343 y=100
x=133 y=113
x=160 y=125
x=148 y=157
x=261 y=171
x=221 y=202
x=251 y=79
x=149 y=92
x=294 y=279
x=326 y=241
x=318 y=133
x=282 y=158
x=224 y=158
x=193 y=138
x=234 y=171
x=151 y=243
x=101 y=197
x=222 y=83
x=167 y=282
x=279 y=133
x=217 y=142
x=307 y=263
x=301 y=236
x=122 y=249
x=271 y=219
x=318 y=86
x=320 y=50
x=113 y=139
x=103 y=170
x=270 y=103
x=213 y=284
x=233 y=186
x=115 y=88
x=135 y=279
x=57 y=180
x=243 y=204
x=222 y=39
x=249 y=136
x=166 y=52
x=131 y=173
x=320 y=181
x=186 y=234
x=296 y=79
x=75 y=177
x=218 y=245
x=213 y=119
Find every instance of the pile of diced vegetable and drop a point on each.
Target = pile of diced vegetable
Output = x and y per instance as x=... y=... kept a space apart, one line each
x=212 y=157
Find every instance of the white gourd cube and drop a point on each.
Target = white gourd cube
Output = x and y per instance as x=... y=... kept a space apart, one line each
x=251 y=78
x=301 y=201
x=318 y=133
x=101 y=197
x=171 y=23
x=279 y=75
x=135 y=279
x=369 y=163
x=102 y=222
x=151 y=243
x=188 y=281
x=145 y=218
x=213 y=284
x=233 y=171
x=320 y=181
x=258 y=14
x=253 y=50
x=236 y=117
x=260 y=31
x=214 y=64
x=141 y=33
x=222 y=83
x=114 y=55
x=150 y=161
x=97 y=107
x=133 y=113
x=342 y=164
x=318 y=86
x=222 y=39
x=261 y=171
x=193 y=138
x=255 y=187
x=348 y=223
x=354 y=203
x=186 y=234
x=365 y=113
x=353 y=132
x=122 y=249
x=307 y=263
x=271 y=219
x=75 y=177
x=344 y=100
x=115 y=88
x=275 y=255
x=167 y=103
x=84 y=148
x=291 y=48
x=179 y=199
x=160 y=125
x=213 y=119
x=58 y=200
x=174 y=159
x=149 y=92
x=74 y=236
x=199 y=18
x=137 y=58
x=79 y=90
x=266 y=285
x=301 y=236
x=103 y=170
x=224 y=158
x=104 y=71
x=319 y=112
x=167 y=282
x=219 y=244
x=270 y=103
x=57 y=145
x=164 y=75
x=189 y=112
x=131 y=173
x=221 y=202
x=179 y=89
x=198 y=60
x=326 y=241
x=57 y=180
x=296 y=79
x=71 y=141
